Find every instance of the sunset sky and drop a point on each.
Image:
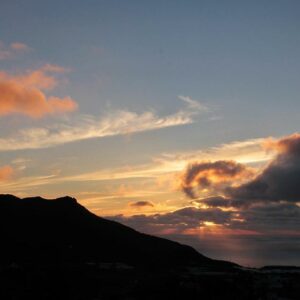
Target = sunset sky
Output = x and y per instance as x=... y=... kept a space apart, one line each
x=177 y=118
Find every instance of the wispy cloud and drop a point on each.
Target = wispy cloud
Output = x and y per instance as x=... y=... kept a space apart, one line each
x=174 y=163
x=193 y=103
x=120 y=122
x=24 y=183
x=10 y=51
x=17 y=46
x=246 y=151
x=165 y=170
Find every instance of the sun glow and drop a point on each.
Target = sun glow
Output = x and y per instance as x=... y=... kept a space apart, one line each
x=209 y=224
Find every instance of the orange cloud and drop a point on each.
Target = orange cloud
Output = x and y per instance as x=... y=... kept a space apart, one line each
x=23 y=94
x=17 y=46
x=285 y=145
x=6 y=173
x=208 y=175
x=34 y=79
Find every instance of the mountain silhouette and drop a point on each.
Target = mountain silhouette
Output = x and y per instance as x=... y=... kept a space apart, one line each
x=58 y=250
x=36 y=229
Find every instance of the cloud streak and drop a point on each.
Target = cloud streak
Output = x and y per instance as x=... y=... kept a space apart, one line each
x=252 y=151
x=166 y=168
x=87 y=127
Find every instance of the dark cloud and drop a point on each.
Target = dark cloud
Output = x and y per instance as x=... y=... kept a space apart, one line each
x=177 y=221
x=141 y=204
x=271 y=217
x=262 y=218
x=217 y=201
x=203 y=175
x=268 y=233
x=279 y=181
x=193 y=215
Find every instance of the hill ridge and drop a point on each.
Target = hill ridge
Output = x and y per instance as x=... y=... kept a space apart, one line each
x=40 y=228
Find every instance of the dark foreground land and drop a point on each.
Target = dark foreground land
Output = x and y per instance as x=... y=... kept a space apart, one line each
x=118 y=281
x=59 y=250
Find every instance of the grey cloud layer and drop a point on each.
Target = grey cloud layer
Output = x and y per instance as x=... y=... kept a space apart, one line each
x=179 y=220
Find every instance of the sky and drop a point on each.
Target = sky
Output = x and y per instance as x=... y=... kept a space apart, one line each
x=177 y=118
